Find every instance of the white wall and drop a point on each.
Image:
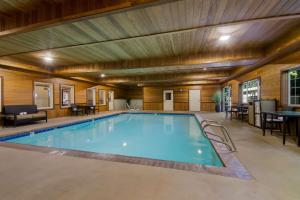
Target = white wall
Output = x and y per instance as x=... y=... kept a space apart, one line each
x=119 y=104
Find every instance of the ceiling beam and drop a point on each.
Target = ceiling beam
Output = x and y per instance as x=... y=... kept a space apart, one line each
x=9 y=64
x=167 y=78
x=182 y=63
x=16 y=66
x=108 y=8
x=184 y=83
x=288 y=44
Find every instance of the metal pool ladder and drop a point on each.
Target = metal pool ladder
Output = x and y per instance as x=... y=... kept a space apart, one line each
x=131 y=109
x=226 y=139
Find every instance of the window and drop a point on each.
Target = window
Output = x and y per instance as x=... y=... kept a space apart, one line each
x=294 y=86
x=168 y=96
x=226 y=97
x=67 y=93
x=91 y=96
x=102 y=97
x=43 y=95
x=250 y=90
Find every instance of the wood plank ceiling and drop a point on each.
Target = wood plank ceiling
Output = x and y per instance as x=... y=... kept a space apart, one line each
x=154 y=43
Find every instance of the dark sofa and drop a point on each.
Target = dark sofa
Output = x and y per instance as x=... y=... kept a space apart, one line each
x=21 y=114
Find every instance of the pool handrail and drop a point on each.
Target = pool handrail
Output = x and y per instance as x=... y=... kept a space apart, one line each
x=226 y=139
x=132 y=109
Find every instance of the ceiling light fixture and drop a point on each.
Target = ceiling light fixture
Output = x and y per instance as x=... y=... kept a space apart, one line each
x=102 y=75
x=224 y=37
x=48 y=58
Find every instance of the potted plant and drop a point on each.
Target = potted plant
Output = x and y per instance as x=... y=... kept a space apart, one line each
x=217 y=99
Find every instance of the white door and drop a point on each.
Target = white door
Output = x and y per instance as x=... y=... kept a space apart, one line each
x=194 y=100
x=168 y=100
x=110 y=100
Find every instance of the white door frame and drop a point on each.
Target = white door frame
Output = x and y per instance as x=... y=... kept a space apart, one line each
x=168 y=104
x=111 y=97
x=194 y=101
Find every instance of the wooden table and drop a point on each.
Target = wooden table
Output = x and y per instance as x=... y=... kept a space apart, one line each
x=285 y=115
x=236 y=109
x=85 y=108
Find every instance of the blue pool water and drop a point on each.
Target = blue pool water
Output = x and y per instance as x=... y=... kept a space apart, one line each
x=158 y=136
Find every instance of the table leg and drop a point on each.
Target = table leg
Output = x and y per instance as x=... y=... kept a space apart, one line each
x=264 y=123
x=272 y=124
x=284 y=130
x=297 y=132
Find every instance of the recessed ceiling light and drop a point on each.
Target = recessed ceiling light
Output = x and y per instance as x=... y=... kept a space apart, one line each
x=48 y=58
x=102 y=75
x=224 y=37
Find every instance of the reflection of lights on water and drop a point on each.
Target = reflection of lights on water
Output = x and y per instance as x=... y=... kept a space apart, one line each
x=199 y=151
x=124 y=144
x=109 y=128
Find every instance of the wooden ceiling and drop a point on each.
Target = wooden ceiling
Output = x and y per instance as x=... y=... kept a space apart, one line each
x=135 y=41
x=7 y=6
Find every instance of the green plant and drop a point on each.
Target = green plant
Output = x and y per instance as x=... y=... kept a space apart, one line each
x=217 y=98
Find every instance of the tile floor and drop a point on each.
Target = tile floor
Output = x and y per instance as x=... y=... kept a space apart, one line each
x=34 y=175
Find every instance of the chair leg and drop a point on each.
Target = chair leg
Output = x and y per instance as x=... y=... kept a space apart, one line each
x=271 y=128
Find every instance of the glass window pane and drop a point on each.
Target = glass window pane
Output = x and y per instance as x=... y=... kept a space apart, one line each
x=292 y=100
x=297 y=92
x=91 y=96
x=168 y=96
x=292 y=83
x=292 y=92
x=43 y=95
x=102 y=97
x=297 y=82
x=297 y=100
x=42 y=98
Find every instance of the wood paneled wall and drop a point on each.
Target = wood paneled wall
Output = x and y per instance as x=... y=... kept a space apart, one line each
x=18 y=89
x=134 y=93
x=270 y=81
x=153 y=97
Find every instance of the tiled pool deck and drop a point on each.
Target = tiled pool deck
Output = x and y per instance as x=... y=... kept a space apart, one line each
x=233 y=168
x=29 y=175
